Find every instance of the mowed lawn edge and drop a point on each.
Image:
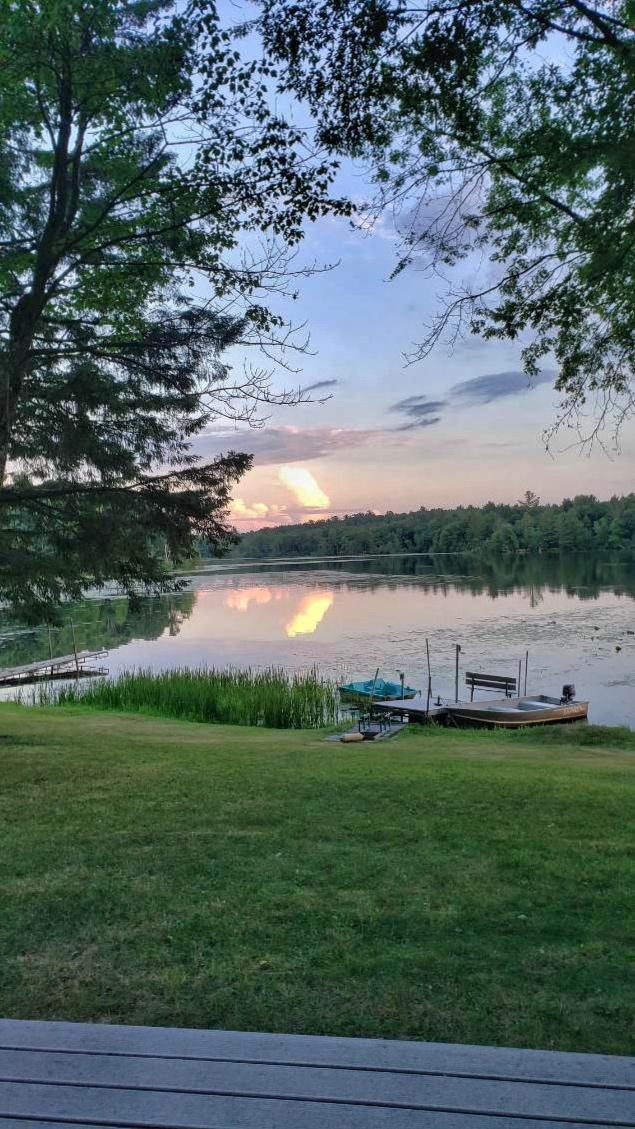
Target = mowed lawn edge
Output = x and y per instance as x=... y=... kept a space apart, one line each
x=454 y=886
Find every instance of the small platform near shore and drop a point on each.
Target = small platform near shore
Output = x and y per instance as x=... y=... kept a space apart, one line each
x=60 y=666
x=89 y=1075
x=413 y=708
x=389 y=731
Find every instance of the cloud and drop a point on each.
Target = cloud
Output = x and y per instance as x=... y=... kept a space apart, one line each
x=253 y=515
x=375 y=223
x=242 y=511
x=494 y=385
x=275 y=445
x=420 y=411
x=304 y=487
x=417 y=423
x=320 y=384
x=285 y=444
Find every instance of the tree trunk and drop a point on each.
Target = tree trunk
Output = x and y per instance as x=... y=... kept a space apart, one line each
x=63 y=200
x=18 y=357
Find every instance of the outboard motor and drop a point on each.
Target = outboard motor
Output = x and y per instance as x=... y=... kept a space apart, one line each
x=568 y=692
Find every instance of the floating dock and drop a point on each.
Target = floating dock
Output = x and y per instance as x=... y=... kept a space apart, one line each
x=413 y=708
x=56 y=667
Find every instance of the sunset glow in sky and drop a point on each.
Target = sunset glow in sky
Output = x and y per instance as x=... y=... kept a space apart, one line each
x=461 y=427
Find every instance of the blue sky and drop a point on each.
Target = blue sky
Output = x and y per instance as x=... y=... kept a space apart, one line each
x=460 y=427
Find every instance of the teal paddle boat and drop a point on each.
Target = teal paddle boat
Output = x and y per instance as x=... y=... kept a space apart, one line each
x=376 y=688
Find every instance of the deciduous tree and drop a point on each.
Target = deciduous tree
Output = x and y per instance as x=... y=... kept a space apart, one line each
x=498 y=130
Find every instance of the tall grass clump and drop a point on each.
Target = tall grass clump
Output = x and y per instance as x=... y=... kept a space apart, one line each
x=233 y=697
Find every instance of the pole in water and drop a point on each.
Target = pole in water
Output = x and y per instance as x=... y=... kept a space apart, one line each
x=526 y=666
x=402 y=680
x=456 y=672
x=429 y=679
x=372 y=693
x=75 y=647
x=50 y=644
x=520 y=671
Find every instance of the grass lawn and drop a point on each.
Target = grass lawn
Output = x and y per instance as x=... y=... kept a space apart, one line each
x=447 y=885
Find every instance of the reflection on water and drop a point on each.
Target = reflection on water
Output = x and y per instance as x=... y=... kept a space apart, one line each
x=240 y=601
x=310 y=613
x=103 y=624
x=528 y=576
x=309 y=610
x=575 y=616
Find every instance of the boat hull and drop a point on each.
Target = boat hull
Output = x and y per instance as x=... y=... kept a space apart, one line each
x=366 y=697
x=381 y=691
x=517 y=713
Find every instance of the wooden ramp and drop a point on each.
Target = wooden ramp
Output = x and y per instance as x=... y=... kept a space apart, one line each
x=55 y=1074
x=60 y=666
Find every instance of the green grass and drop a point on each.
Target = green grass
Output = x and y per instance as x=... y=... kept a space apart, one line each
x=234 y=697
x=446 y=885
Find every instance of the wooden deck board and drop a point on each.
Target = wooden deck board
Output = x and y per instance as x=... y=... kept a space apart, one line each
x=83 y=1074
x=29 y=1123
x=413 y=707
x=311 y=1083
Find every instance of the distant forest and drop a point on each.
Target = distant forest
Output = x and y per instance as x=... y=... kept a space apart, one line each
x=577 y=524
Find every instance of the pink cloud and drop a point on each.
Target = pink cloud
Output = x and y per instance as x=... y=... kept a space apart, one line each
x=286 y=444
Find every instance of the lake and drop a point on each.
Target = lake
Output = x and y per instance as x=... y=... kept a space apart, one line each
x=575 y=616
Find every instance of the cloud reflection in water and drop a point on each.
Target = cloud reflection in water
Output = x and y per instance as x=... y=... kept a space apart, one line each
x=309 y=614
x=240 y=598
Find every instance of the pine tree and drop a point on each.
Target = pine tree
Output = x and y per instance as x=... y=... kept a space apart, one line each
x=139 y=162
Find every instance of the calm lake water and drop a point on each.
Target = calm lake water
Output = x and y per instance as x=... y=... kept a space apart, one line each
x=576 y=617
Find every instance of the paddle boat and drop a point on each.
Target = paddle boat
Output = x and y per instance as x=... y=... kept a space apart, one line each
x=377 y=689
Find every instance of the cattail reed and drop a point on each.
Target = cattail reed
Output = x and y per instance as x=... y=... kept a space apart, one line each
x=268 y=697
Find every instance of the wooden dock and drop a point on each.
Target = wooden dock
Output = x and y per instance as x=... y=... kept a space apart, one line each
x=60 y=1074
x=413 y=708
x=60 y=666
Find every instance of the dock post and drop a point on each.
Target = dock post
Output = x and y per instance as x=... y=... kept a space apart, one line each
x=456 y=672
x=526 y=666
x=520 y=674
x=429 y=681
x=50 y=644
x=75 y=648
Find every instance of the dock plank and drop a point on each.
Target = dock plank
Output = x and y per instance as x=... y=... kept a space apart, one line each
x=413 y=707
x=87 y=1075
x=31 y=1123
x=324 y=1050
x=310 y=1083
x=193 y=1111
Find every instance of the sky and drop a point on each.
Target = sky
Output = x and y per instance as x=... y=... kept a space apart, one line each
x=461 y=427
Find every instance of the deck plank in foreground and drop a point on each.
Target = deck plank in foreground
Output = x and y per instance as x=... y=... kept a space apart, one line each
x=54 y=1074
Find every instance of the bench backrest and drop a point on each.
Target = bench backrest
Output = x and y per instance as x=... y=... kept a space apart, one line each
x=491 y=682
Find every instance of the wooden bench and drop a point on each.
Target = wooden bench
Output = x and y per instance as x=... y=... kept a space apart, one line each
x=57 y=1075
x=497 y=682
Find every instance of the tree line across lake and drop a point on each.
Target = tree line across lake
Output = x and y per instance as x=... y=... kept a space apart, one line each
x=583 y=523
